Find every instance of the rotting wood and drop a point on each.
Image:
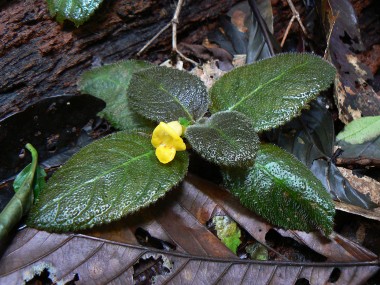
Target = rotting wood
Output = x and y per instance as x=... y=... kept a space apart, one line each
x=40 y=58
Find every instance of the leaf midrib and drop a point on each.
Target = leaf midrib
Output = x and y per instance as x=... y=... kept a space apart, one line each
x=112 y=169
x=261 y=86
x=175 y=99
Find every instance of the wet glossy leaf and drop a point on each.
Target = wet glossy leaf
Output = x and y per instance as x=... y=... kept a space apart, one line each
x=272 y=91
x=360 y=130
x=283 y=191
x=226 y=138
x=110 y=83
x=166 y=94
x=105 y=181
x=76 y=11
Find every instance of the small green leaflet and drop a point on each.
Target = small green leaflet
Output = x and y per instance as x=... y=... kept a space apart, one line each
x=38 y=181
x=283 y=191
x=227 y=231
x=110 y=83
x=23 y=198
x=105 y=181
x=274 y=90
x=226 y=138
x=165 y=94
x=76 y=11
x=360 y=130
x=257 y=251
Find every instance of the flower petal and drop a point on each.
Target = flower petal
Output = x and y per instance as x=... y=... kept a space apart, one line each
x=165 y=154
x=163 y=134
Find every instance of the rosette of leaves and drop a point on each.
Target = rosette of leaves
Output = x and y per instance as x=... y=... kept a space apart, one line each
x=120 y=174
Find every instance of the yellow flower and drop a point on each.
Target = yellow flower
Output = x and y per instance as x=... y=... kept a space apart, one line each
x=167 y=140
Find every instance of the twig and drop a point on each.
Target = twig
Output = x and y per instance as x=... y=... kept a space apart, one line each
x=174 y=22
x=296 y=16
x=154 y=38
x=334 y=17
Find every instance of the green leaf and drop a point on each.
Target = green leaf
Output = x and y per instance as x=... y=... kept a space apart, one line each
x=76 y=11
x=105 y=181
x=226 y=138
x=228 y=232
x=257 y=251
x=272 y=91
x=110 y=83
x=166 y=94
x=22 y=200
x=283 y=191
x=360 y=130
x=38 y=181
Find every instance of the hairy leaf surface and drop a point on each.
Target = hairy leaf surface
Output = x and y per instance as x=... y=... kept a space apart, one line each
x=274 y=90
x=105 y=181
x=226 y=138
x=282 y=190
x=76 y=11
x=166 y=94
x=110 y=83
x=360 y=130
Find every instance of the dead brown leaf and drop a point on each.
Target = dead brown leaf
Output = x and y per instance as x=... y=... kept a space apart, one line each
x=111 y=254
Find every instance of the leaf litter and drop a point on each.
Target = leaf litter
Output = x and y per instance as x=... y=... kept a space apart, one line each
x=202 y=258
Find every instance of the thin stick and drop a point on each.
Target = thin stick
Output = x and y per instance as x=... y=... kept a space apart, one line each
x=296 y=15
x=287 y=31
x=174 y=22
x=329 y=36
x=154 y=38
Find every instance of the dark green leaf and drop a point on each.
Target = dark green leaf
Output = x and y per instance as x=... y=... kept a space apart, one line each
x=38 y=181
x=105 y=181
x=274 y=90
x=283 y=191
x=76 y=11
x=110 y=83
x=360 y=130
x=22 y=200
x=226 y=138
x=166 y=94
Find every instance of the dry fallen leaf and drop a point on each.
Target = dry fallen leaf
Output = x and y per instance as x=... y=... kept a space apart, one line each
x=113 y=256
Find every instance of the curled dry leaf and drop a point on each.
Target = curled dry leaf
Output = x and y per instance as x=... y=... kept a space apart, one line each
x=354 y=95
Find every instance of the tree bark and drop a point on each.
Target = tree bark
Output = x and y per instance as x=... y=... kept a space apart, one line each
x=40 y=58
